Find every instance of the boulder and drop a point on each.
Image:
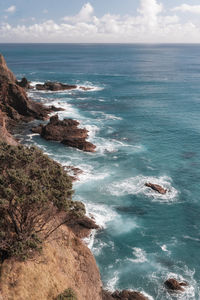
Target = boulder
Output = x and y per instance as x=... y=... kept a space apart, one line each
x=24 y=83
x=123 y=295
x=174 y=285
x=156 y=188
x=54 y=86
x=66 y=132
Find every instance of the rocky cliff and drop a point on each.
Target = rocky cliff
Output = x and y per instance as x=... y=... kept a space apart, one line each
x=65 y=262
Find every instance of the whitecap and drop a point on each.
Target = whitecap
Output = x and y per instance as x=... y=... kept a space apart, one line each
x=102 y=214
x=136 y=185
x=112 y=283
x=139 y=254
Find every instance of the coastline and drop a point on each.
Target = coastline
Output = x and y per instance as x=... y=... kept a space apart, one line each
x=133 y=183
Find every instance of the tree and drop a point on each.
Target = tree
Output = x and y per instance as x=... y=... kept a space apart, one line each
x=33 y=190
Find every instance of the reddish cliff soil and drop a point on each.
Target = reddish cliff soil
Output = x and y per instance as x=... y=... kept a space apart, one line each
x=66 y=132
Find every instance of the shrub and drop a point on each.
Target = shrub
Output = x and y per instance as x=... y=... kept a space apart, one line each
x=68 y=294
x=33 y=189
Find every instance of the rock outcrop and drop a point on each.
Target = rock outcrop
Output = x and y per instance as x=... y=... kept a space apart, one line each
x=5 y=72
x=174 y=285
x=156 y=188
x=65 y=262
x=54 y=86
x=14 y=101
x=25 y=83
x=82 y=227
x=66 y=132
x=123 y=295
x=5 y=136
x=58 y=86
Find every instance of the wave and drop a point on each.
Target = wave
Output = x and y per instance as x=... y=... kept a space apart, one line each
x=140 y=256
x=136 y=185
x=112 y=283
x=104 y=116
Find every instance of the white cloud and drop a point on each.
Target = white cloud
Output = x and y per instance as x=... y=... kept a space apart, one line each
x=195 y=9
x=151 y=24
x=150 y=9
x=11 y=9
x=84 y=15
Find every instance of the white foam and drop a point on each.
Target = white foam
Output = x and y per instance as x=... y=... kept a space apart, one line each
x=90 y=174
x=101 y=213
x=136 y=185
x=164 y=248
x=104 y=116
x=90 y=86
x=140 y=255
x=112 y=283
x=89 y=241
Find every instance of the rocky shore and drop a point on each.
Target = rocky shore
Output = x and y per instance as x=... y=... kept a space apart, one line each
x=65 y=262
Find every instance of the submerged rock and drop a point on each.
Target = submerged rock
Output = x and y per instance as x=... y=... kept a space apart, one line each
x=54 y=86
x=123 y=295
x=156 y=188
x=174 y=285
x=66 y=132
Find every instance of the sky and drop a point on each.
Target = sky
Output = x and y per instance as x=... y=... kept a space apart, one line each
x=100 y=21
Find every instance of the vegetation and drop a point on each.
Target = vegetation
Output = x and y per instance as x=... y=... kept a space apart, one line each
x=33 y=190
x=68 y=294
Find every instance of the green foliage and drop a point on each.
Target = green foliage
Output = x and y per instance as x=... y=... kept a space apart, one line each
x=68 y=294
x=33 y=188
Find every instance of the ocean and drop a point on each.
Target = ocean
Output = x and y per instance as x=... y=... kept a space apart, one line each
x=143 y=114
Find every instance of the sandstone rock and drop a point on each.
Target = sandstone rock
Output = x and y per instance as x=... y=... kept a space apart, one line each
x=156 y=188
x=54 y=86
x=66 y=132
x=123 y=295
x=174 y=285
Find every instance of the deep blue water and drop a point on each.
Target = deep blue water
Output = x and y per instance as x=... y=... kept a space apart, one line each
x=144 y=116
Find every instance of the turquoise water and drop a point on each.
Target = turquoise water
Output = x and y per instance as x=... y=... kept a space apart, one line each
x=143 y=115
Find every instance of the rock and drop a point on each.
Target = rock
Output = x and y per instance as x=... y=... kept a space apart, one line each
x=84 y=88
x=5 y=136
x=54 y=86
x=24 y=83
x=174 y=285
x=82 y=227
x=156 y=188
x=123 y=295
x=5 y=72
x=73 y=172
x=64 y=262
x=66 y=132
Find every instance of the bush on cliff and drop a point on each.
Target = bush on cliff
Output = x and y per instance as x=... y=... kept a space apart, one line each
x=33 y=190
x=68 y=294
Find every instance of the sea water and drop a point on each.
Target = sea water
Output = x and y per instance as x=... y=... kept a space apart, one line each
x=143 y=114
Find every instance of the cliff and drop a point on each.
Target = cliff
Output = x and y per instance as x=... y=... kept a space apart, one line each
x=65 y=262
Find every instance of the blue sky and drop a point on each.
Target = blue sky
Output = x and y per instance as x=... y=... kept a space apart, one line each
x=129 y=21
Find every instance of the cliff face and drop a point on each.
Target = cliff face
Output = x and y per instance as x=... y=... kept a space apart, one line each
x=65 y=262
x=5 y=136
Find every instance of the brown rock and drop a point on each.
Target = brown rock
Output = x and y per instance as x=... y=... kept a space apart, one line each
x=174 y=285
x=5 y=136
x=84 y=88
x=65 y=262
x=156 y=188
x=123 y=295
x=66 y=132
x=82 y=227
x=24 y=83
x=55 y=86
x=4 y=71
